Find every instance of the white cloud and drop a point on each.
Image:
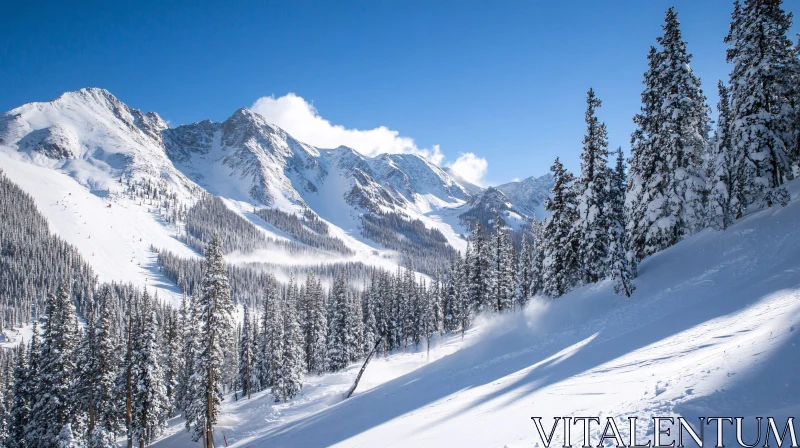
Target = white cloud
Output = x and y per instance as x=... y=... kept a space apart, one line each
x=301 y=119
x=470 y=167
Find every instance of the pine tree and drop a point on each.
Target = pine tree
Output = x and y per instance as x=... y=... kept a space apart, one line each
x=368 y=300
x=524 y=273
x=23 y=396
x=593 y=223
x=427 y=316
x=172 y=341
x=479 y=282
x=355 y=327
x=561 y=263
x=215 y=312
x=762 y=85
x=5 y=402
x=53 y=407
x=150 y=402
x=246 y=358
x=186 y=395
x=621 y=262
x=502 y=268
x=538 y=245
x=293 y=355
x=99 y=369
x=726 y=170
x=406 y=296
x=382 y=303
x=65 y=438
x=316 y=326
x=665 y=193
x=21 y=412
x=272 y=340
x=255 y=370
x=102 y=438
x=462 y=308
x=337 y=356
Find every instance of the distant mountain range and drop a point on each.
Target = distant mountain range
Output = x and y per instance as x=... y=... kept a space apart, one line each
x=98 y=140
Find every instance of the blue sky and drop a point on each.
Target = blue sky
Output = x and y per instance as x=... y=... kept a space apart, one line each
x=505 y=81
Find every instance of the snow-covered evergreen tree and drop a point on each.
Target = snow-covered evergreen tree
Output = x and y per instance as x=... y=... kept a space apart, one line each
x=150 y=402
x=449 y=309
x=502 y=268
x=368 y=303
x=479 y=281
x=593 y=223
x=561 y=263
x=437 y=301
x=727 y=166
x=23 y=395
x=99 y=371
x=762 y=86
x=53 y=407
x=272 y=340
x=621 y=261
x=355 y=326
x=666 y=185
x=524 y=273
x=102 y=438
x=462 y=306
x=186 y=395
x=246 y=356
x=293 y=358
x=66 y=439
x=406 y=297
x=337 y=356
x=172 y=341
x=316 y=326
x=5 y=404
x=538 y=245
x=215 y=312
x=427 y=316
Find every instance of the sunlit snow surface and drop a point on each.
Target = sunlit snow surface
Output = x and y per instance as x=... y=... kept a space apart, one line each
x=711 y=331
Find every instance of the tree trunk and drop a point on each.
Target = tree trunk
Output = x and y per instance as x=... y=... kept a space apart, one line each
x=363 y=367
x=429 y=346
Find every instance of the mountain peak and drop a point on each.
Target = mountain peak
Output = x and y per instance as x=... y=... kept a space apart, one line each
x=245 y=114
x=89 y=95
x=529 y=193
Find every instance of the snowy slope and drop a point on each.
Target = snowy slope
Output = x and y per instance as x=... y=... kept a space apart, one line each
x=712 y=330
x=245 y=420
x=115 y=241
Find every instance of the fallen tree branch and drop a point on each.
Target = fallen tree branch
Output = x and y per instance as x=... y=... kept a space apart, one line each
x=364 y=367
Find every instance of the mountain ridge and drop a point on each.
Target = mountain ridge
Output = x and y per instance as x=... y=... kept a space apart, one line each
x=98 y=140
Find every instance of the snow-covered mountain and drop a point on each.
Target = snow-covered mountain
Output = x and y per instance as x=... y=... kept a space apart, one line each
x=104 y=145
x=247 y=158
x=93 y=137
x=529 y=194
